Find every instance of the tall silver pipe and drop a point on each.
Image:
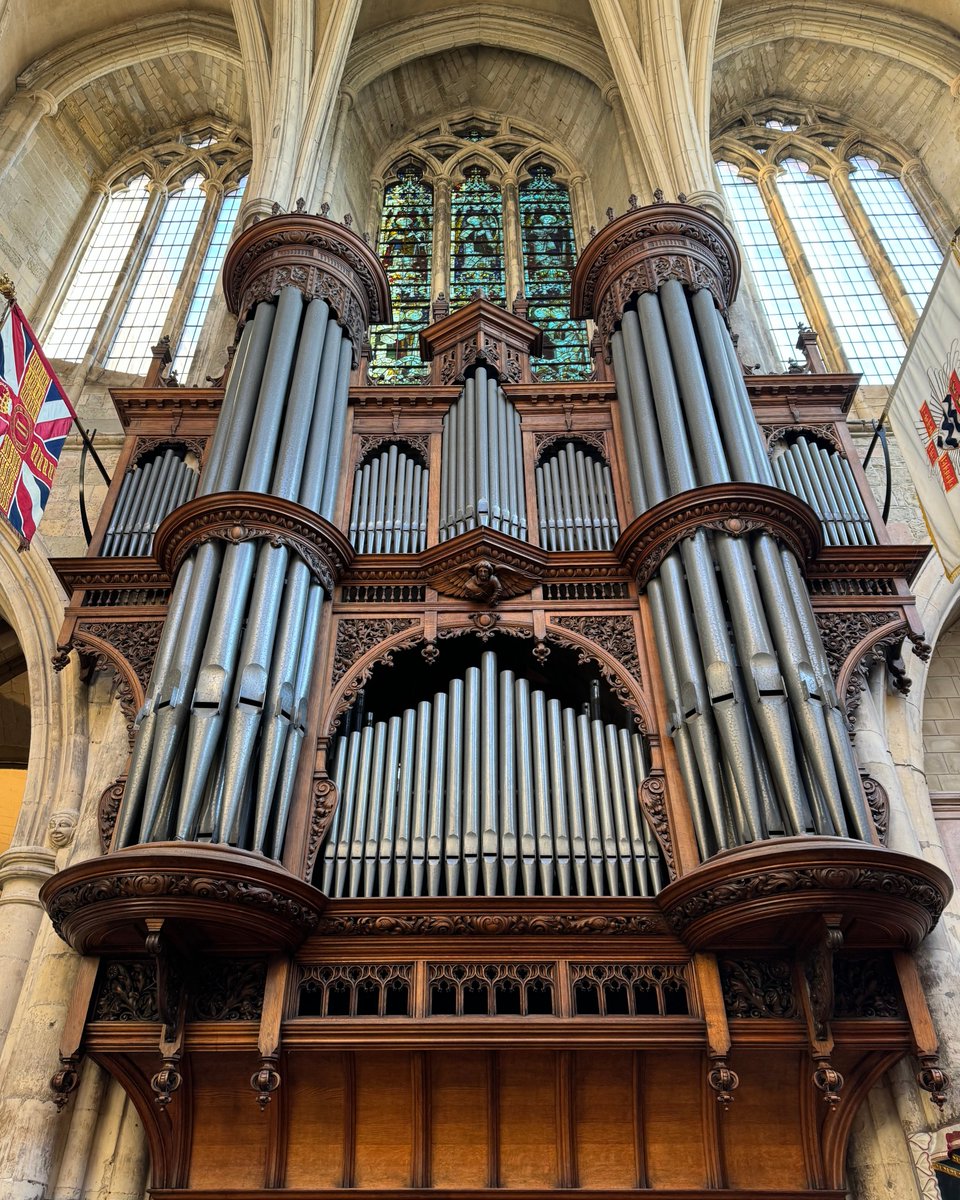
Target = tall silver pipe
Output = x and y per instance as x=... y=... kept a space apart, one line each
x=158 y=504
x=489 y=842
x=192 y=596
x=848 y=487
x=435 y=795
x=608 y=826
x=458 y=735
x=467 y=448
x=482 y=446
x=421 y=792
x=526 y=810
x=366 y=852
x=596 y=859
x=385 y=833
x=542 y=518
x=473 y=735
x=612 y=774
x=401 y=844
x=350 y=865
x=572 y=781
x=507 y=784
x=548 y=849
x=560 y=812
x=141 y=497
x=128 y=488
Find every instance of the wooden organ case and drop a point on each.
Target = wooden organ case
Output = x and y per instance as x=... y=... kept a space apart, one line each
x=517 y=912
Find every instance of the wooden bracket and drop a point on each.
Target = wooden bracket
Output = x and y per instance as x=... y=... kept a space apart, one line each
x=814 y=985
x=266 y=1079
x=720 y=1077
x=171 y=1001
x=931 y=1077
x=67 y=1077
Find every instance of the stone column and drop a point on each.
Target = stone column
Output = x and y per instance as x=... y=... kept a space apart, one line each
x=20 y=118
x=512 y=241
x=22 y=872
x=580 y=210
x=336 y=148
x=635 y=177
x=440 y=267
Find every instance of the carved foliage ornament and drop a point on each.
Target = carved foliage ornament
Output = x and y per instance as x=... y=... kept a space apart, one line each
x=616 y=636
x=843 y=632
x=494 y=923
x=758 y=987
x=125 y=648
x=227 y=990
x=128 y=992
x=653 y=800
x=107 y=810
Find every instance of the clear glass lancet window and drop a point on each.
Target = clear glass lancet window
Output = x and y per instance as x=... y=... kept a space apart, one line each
x=915 y=256
x=777 y=292
x=207 y=280
x=476 y=240
x=86 y=298
x=546 y=225
x=405 y=246
x=858 y=310
x=147 y=307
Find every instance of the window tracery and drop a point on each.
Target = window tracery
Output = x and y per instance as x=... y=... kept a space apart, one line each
x=153 y=252
x=477 y=203
x=833 y=236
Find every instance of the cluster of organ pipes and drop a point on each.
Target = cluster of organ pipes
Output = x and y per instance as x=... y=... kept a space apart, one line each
x=148 y=492
x=575 y=501
x=825 y=481
x=481 y=478
x=489 y=788
x=759 y=733
x=218 y=739
x=389 y=510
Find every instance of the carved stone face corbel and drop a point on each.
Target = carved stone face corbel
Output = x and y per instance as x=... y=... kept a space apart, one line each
x=61 y=828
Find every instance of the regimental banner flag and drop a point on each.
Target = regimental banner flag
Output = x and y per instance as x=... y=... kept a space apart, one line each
x=924 y=412
x=35 y=417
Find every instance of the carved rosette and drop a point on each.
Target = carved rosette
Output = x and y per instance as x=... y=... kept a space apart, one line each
x=641 y=250
x=246 y=516
x=320 y=258
x=734 y=509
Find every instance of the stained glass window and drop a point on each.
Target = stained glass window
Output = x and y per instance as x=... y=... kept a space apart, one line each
x=476 y=240
x=405 y=245
x=147 y=308
x=96 y=275
x=860 y=314
x=549 y=256
x=914 y=254
x=777 y=292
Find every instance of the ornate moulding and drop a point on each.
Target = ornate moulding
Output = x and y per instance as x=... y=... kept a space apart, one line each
x=771 y=893
x=480 y=334
x=735 y=509
x=642 y=249
x=245 y=516
x=318 y=257
x=214 y=896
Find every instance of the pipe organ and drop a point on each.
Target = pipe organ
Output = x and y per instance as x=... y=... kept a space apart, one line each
x=492 y=820
x=490 y=788
x=388 y=514
x=575 y=503
x=482 y=478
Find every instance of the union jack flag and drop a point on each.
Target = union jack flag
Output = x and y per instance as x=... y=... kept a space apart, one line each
x=35 y=417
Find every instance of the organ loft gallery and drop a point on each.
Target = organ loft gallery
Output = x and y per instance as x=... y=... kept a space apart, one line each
x=480 y=711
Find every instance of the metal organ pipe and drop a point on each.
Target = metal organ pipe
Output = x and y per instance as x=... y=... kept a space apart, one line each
x=226 y=709
x=575 y=503
x=482 y=476
x=389 y=514
x=493 y=786
x=753 y=713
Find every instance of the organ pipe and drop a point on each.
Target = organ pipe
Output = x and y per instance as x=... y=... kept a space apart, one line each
x=753 y=714
x=149 y=492
x=575 y=500
x=824 y=480
x=388 y=514
x=492 y=785
x=482 y=473
x=219 y=737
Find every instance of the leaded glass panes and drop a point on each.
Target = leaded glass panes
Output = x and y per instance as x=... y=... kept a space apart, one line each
x=207 y=280
x=777 y=292
x=147 y=308
x=405 y=246
x=96 y=275
x=546 y=225
x=860 y=314
x=899 y=227
x=476 y=240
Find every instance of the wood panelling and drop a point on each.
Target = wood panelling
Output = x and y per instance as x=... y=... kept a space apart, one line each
x=673 y=1120
x=528 y=1120
x=766 y=1113
x=232 y=1150
x=606 y=1146
x=460 y=1126
x=315 y=1128
x=384 y=1120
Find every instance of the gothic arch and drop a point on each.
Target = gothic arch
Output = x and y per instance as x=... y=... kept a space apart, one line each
x=77 y=63
x=913 y=40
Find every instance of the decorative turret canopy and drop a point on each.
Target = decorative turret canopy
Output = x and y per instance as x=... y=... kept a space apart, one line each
x=645 y=247
x=481 y=334
x=320 y=258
